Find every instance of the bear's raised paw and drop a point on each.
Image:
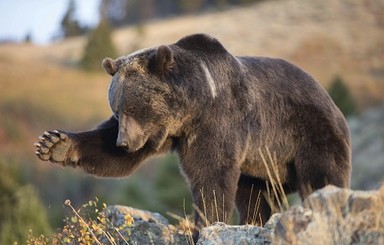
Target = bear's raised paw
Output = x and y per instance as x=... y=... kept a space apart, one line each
x=53 y=146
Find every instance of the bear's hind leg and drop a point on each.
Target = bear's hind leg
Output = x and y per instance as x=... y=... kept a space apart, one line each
x=252 y=205
x=316 y=169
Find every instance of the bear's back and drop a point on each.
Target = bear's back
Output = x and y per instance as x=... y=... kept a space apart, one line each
x=289 y=108
x=277 y=77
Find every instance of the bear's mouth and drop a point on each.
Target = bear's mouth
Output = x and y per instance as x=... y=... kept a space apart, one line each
x=130 y=150
x=133 y=146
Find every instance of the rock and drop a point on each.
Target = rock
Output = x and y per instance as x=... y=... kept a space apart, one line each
x=117 y=212
x=334 y=216
x=328 y=216
x=269 y=228
x=220 y=233
x=153 y=228
x=147 y=227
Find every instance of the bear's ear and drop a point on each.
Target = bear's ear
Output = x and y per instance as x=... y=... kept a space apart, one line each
x=164 y=61
x=110 y=66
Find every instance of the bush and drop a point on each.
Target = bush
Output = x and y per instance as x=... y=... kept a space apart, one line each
x=21 y=209
x=342 y=97
x=89 y=224
x=171 y=188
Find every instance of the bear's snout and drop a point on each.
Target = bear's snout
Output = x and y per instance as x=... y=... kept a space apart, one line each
x=130 y=136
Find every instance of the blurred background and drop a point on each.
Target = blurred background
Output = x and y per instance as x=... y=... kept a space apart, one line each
x=51 y=78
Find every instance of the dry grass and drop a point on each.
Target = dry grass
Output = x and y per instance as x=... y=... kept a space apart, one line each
x=278 y=196
x=51 y=87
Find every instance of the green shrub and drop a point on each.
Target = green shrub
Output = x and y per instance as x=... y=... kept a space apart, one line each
x=342 y=97
x=21 y=213
x=171 y=188
x=21 y=208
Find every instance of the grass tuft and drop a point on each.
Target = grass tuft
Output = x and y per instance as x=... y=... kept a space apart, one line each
x=279 y=194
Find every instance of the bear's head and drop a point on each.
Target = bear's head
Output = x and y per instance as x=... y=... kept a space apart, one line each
x=155 y=91
x=141 y=98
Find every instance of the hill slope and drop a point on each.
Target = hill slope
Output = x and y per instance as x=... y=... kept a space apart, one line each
x=325 y=37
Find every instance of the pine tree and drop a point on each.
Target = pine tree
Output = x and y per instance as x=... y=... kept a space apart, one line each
x=98 y=47
x=191 y=6
x=342 y=97
x=69 y=25
x=28 y=38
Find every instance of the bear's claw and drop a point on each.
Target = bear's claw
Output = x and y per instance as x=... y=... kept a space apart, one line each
x=53 y=146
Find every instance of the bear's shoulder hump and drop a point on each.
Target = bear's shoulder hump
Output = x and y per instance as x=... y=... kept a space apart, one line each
x=201 y=42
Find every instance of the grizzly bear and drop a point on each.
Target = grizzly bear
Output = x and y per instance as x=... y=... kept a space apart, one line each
x=219 y=113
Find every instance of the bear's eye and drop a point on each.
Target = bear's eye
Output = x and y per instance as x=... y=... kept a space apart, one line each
x=129 y=110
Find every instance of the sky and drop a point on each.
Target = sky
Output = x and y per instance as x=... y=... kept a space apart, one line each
x=41 y=18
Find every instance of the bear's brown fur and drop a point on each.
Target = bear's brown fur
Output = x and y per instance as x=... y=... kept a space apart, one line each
x=216 y=111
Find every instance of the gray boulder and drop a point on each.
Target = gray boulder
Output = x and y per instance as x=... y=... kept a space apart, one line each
x=147 y=227
x=334 y=216
x=220 y=233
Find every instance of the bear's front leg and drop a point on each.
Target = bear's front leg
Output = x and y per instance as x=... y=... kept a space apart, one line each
x=95 y=151
x=214 y=188
x=214 y=195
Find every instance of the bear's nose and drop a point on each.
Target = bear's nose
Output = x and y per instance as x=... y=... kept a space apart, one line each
x=122 y=139
x=121 y=142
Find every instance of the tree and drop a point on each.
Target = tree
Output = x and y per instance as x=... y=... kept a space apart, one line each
x=99 y=44
x=191 y=6
x=69 y=25
x=342 y=97
x=28 y=38
x=98 y=47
